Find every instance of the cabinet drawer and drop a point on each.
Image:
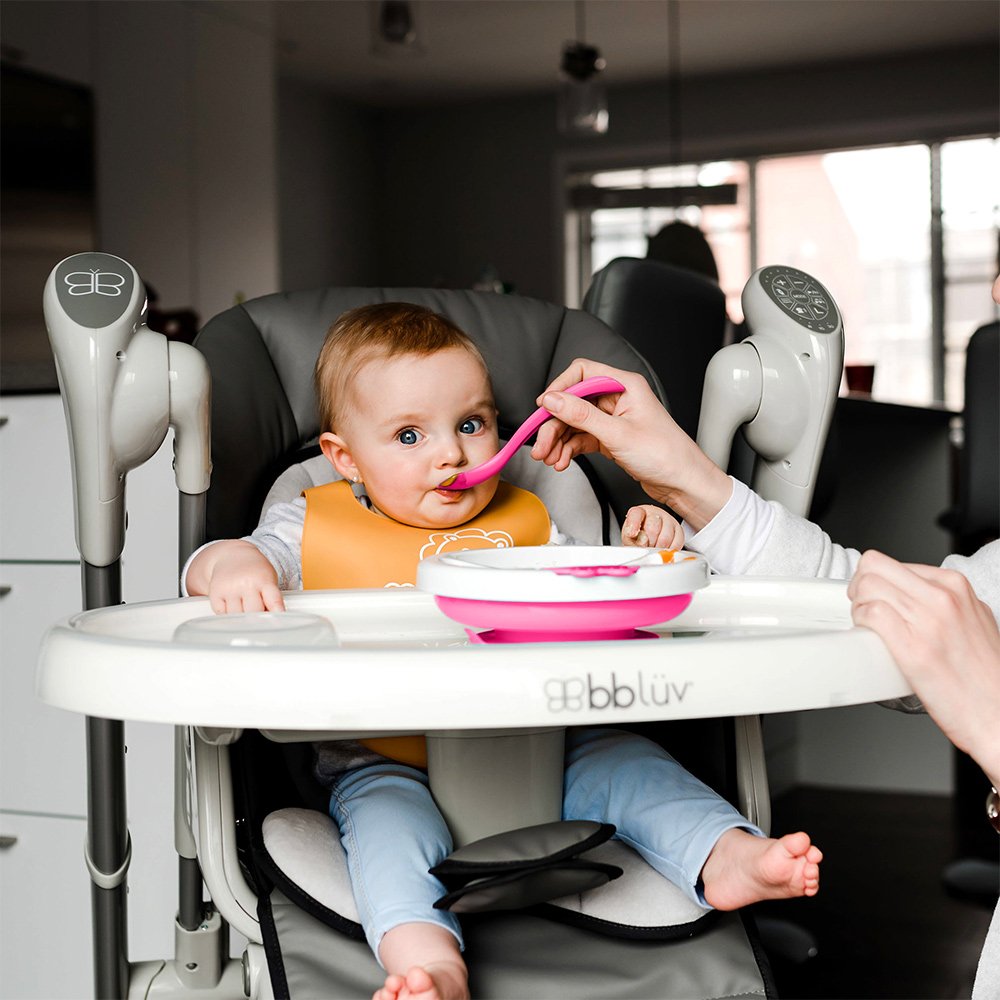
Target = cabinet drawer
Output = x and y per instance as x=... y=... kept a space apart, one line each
x=47 y=743
x=36 y=487
x=45 y=936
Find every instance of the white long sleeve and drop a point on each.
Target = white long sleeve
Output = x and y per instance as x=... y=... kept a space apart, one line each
x=751 y=536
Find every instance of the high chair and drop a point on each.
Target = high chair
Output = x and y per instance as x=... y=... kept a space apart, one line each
x=580 y=917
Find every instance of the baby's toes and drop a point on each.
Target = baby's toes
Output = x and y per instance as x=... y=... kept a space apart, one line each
x=810 y=879
x=797 y=844
x=390 y=990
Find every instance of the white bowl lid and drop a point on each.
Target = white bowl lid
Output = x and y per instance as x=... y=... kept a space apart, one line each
x=258 y=628
x=546 y=573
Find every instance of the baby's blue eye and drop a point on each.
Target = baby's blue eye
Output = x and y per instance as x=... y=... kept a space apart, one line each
x=409 y=436
x=471 y=426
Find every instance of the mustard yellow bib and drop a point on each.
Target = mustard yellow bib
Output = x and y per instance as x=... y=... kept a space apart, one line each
x=345 y=545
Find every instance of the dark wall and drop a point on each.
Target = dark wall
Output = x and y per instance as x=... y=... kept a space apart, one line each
x=464 y=185
x=328 y=189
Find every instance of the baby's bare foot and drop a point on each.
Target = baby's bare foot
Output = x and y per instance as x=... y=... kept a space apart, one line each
x=744 y=869
x=441 y=981
x=390 y=988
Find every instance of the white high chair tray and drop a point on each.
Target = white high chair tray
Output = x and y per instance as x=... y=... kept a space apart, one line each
x=744 y=646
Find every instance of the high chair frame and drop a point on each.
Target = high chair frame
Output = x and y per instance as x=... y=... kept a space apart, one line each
x=281 y=425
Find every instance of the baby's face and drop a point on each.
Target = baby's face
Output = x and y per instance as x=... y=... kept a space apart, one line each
x=412 y=422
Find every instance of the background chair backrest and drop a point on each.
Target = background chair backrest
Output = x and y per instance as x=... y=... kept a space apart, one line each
x=261 y=355
x=674 y=317
x=975 y=519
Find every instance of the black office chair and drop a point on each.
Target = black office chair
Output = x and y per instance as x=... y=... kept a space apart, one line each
x=973 y=521
x=675 y=318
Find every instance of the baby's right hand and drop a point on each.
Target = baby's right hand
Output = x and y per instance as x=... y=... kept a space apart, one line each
x=237 y=577
x=650 y=527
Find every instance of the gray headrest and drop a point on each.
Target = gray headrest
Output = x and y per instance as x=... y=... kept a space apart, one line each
x=261 y=355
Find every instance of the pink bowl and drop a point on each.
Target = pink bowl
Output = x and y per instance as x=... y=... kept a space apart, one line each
x=567 y=621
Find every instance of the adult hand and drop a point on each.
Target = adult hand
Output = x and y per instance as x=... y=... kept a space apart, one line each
x=944 y=640
x=633 y=429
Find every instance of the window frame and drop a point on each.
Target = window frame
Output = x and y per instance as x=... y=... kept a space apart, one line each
x=578 y=231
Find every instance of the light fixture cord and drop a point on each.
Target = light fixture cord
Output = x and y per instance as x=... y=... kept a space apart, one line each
x=581 y=24
x=673 y=80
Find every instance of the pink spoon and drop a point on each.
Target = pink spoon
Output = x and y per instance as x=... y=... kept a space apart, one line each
x=599 y=385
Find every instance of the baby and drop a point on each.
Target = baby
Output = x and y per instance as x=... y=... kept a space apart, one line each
x=405 y=402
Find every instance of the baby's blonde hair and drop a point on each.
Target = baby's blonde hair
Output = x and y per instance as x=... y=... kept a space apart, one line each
x=376 y=332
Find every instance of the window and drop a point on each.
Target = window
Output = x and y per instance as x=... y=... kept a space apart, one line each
x=715 y=197
x=905 y=237
x=970 y=222
x=859 y=221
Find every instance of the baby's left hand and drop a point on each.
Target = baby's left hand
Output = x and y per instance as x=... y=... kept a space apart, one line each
x=650 y=527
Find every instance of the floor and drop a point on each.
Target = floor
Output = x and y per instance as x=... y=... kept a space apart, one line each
x=883 y=923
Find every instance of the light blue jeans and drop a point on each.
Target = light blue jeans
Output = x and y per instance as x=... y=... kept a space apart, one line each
x=393 y=833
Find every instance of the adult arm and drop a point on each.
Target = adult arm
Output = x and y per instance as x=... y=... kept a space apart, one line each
x=734 y=528
x=946 y=642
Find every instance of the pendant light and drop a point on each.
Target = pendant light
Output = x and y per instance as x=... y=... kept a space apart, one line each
x=583 y=102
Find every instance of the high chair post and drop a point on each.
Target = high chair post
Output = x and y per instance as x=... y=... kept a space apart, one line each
x=122 y=387
x=780 y=384
x=108 y=846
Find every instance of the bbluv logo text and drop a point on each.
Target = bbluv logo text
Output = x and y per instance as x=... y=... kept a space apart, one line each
x=590 y=693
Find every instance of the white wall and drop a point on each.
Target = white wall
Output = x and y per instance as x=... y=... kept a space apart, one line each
x=187 y=167
x=184 y=100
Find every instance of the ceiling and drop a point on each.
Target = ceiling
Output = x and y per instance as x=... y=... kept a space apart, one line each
x=471 y=49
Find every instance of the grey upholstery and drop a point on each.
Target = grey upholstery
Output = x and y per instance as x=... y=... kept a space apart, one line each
x=262 y=352
x=674 y=317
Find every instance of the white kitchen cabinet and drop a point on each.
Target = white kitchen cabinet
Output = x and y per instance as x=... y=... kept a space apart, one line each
x=42 y=763
x=45 y=948
x=36 y=504
x=45 y=886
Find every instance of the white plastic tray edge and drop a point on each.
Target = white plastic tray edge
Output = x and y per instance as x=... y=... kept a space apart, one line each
x=118 y=663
